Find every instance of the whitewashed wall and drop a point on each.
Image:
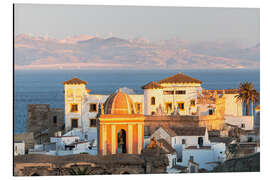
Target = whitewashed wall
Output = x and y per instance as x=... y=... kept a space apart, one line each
x=19 y=148
x=232 y=107
x=239 y=120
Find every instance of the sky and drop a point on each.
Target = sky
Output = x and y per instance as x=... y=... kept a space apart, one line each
x=152 y=23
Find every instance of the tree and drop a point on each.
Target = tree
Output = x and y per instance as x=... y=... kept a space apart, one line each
x=247 y=94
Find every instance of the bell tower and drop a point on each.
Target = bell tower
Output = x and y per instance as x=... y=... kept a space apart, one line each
x=74 y=93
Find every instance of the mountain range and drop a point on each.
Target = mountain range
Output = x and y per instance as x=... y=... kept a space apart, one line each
x=86 y=51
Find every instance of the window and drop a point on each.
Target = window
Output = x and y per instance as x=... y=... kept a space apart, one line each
x=74 y=108
x=78 y=92
x=138 y=107
x=153 y=112
x=69 y=92
x=168 y=107
x=200 y=141
x=211 y=111
x=168 y=92
x=192 y=102
x=93 y=123
x=153 y=100
x=93 y=108
x=54 y=119
x=174 y=140
x=180 y=92
x=74 y=123
x=183 y=141
x=242 y=125
x=181 y=106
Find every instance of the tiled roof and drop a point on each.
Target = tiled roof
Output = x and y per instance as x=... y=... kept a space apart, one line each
x=118 y=103
x=169 y=131
x=166 y=145
x=189 y=131
x=179 y=78
x=152 y=85
x=75 y=81
x=226 y=140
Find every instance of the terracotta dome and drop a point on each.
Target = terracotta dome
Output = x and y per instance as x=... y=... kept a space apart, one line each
x=118 y=103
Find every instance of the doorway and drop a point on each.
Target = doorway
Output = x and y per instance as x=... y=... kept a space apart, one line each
x=121 y=141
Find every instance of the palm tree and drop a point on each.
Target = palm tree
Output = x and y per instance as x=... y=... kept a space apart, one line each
x=247 y=94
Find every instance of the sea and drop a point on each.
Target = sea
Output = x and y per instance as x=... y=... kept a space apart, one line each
x=45 y=86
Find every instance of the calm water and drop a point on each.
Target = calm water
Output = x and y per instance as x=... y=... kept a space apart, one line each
x=45 y=87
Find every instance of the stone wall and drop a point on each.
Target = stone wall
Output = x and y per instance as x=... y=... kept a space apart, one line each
x=46 y=165
x=244 y=164
x=44 y=121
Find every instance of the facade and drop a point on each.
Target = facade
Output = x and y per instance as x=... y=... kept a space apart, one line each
x=43 y=121
x=120 y=129
x=207 y=157
x=182 y=137
x=178 y=94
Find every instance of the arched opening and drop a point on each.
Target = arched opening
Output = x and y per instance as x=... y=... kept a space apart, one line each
x=35 y=174
x=125 y=172
x=153 y=100
x=121 y=141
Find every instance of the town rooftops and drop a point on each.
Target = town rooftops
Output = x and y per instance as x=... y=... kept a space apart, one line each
x=179 y=78
x=169 y=131
x=74 y=81
x=152 y=85
x=166 y=146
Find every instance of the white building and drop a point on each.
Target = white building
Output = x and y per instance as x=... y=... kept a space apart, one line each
x=19 y=148
x=191 y=141
x=182 y=137
x=178 y=92
x=243 y=122
x=75 y=141
x=206 y=157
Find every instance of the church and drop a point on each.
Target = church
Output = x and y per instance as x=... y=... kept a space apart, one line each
x=120 y=118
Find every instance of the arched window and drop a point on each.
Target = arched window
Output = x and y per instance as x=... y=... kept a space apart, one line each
x=153 y=100
x=153 y=112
